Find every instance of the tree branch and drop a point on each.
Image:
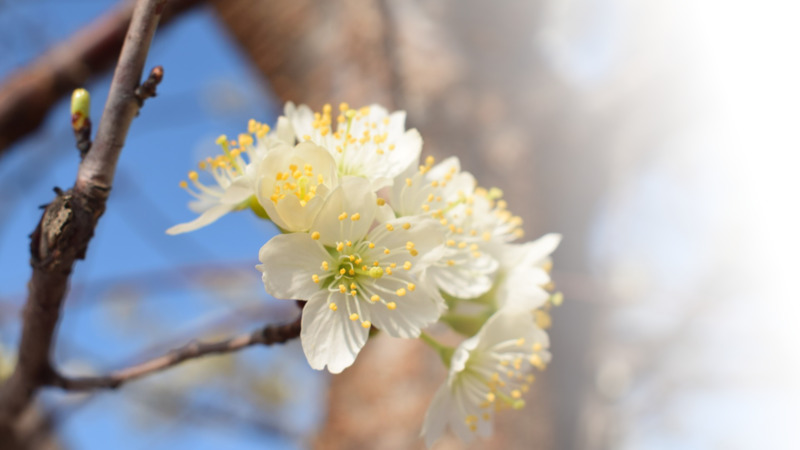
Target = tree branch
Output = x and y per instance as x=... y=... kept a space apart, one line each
x=268 y=335
x=27 y=96
x=67 y=225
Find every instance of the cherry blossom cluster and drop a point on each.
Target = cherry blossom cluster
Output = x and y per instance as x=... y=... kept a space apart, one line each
x=373 y=237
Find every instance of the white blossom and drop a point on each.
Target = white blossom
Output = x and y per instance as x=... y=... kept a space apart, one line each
x=293 y=182
x=488 y=372
x=234 y=172
x=354 y=274
x=368 y=142
x=444 y=192
x=524 y=272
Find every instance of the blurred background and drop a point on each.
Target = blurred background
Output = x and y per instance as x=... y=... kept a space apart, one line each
x=659 y=137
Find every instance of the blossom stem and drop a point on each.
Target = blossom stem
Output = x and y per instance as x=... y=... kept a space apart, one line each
x=445 y=352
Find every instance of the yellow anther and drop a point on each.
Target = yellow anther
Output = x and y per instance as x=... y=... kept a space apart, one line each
x=183 y=184
x=374 y=298
x=324 y=265
x=353 y=286
x=351 y=272
x=343 y=216
x=407 y=265
x=349 y=243
x=450 y=243
x=413 y=252
x=536 y=361
x=391 y=306
x=354 y=317
x=358 y=261
x=411 y=287
x=193 y=175
x=388 y=271
x=406 y=226
x=462 y=245
x=381 y=202
x=354 y=292
x=245 y=140
x=342 y=288
x=355 y=217
x=371 y=245
x=490 y=397
x=386 y=251
x=315 y=278
x=537 y=347
x=389 y=227
x=400 y=292
x=409 y=245
x=306 y=137
x=333 y=306
x=343 y=106
x=339 y=246
x=408 y=181
x=366 y=324
x=352 y=257
x=451 y=263
x=315 y=235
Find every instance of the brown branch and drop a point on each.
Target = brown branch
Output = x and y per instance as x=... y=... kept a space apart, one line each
x=268 y=335
x=67 y=225
x=28 y=95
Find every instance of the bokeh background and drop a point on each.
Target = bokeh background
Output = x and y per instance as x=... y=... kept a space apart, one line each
x=659 y=137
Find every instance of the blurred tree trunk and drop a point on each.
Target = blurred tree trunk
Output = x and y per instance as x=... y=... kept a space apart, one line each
x=471 y=80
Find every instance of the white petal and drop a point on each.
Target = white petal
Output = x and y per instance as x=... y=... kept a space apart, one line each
x=352 y=196
x=510 y=324
x=284 y=131
x=436 y=417
x=210 y=215
x=406 y=153
x=521 y=289
x=415 y=310
x=538 y=250
x=329 y=337
x=288 y=262
x=240 y=190
x=426 y=234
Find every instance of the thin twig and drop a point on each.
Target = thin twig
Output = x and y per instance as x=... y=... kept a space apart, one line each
x=68 y=222
x=268 y=335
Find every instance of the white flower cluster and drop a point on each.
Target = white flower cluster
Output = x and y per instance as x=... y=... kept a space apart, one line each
x=372 y=236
